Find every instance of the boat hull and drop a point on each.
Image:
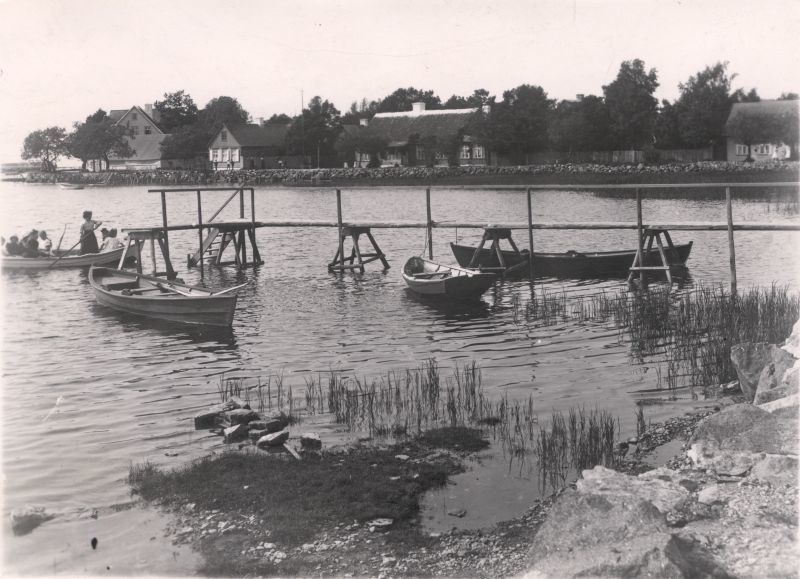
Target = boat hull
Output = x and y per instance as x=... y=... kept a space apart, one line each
x=70 y=261
x=209 y=310
x=444 y=281
x=570 y=264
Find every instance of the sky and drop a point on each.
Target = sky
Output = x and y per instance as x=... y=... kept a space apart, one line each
x=61 y=60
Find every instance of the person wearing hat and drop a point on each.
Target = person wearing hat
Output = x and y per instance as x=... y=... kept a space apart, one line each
x=88 y=238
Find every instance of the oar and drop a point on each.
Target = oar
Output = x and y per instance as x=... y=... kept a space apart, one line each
x=61 y=239
x=230 y=289
x=74 y=246
x=170 y=287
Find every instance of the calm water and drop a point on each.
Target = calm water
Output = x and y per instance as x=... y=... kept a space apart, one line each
x=87 y=391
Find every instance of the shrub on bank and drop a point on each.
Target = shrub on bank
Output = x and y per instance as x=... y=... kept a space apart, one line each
x=578 y=173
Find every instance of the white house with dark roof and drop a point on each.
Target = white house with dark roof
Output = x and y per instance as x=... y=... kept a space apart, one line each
x=421 y=136
x=249 y=146
x=785 y=110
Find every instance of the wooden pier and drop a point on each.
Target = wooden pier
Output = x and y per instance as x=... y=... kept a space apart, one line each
x=237 y=233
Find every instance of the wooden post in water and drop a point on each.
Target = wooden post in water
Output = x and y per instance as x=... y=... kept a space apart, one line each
x=164 y=220
x=530 y=236
x=731 y=249
x=640 y=234
x=339 y=223
x=200 y=233
x=430 y=222
x=252 y=204
x=241 y=203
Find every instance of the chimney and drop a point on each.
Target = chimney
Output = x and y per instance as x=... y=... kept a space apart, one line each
x=148 y=108
x=417 y=108
x=486 y=109
x=363 y=122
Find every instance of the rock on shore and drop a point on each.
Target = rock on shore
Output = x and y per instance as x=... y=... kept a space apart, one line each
x=733 y=512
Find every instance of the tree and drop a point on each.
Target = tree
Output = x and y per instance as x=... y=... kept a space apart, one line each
x=365 y=109
x=753 y=128
x=222 y=110
x=478 y=98
x=402 y=99
x=98 y=138
x=746 y=97
x=517 y=125
x=46 y=145
x=632 y=108
x=316 y=130
x=186 y=142
x=704 y=104
x=364 y=142
x=279 y=119
x=580 y=125
x=667 y=129
x=789 y=96
x=176 y=110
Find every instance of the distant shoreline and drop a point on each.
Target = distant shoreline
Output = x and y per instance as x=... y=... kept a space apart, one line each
x=553 y=174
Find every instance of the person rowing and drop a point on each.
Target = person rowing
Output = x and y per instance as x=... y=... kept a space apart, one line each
x=88 y=238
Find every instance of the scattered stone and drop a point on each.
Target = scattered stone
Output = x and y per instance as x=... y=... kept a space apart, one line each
x=663 y=495
x=273 y=440
x=257 y=425
x=310 y=441
x=255 y=434
x=26 y=519
x=402 y=457
x=380 y=524
x=208 y=418
x=460 y=513
x=235 y=433
x=710 y=495
x=240 y=416
x=777 y=379
x=236 y=402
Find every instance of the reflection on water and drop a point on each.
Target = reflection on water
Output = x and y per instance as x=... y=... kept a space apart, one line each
x=87 y=391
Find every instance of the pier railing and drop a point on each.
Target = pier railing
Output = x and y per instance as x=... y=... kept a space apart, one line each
x=430 y=223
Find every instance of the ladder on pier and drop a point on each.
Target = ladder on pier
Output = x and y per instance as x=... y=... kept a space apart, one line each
x=209 y=247
x=225 y=234
x=644 y=262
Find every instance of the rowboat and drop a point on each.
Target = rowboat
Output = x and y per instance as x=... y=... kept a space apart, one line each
x=158 y=298
x=70 y=185
x=69 y=259
x=574 y=264
x=432 y=279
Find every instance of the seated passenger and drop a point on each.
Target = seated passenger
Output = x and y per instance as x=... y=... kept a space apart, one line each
x=111 y=242
x=45 y=245
x=30 y=244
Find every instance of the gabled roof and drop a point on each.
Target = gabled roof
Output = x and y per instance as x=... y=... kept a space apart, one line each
x=396 y=128
x=252 y=135
x=147 y=147
x=137 y=109
x=775 y=108
x=116 y=114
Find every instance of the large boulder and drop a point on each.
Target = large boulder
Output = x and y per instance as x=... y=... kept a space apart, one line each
x=778 y=379
x=26 y=519
x=749 y=359
x=792 y=344
x=608 y=526
x=734 y=440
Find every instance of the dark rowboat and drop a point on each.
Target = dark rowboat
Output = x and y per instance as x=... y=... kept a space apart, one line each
x=158 y=298
x=573 y=264
x=432 y=279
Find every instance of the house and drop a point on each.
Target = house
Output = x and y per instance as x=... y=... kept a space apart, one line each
x=144 y=136
x=250 y=146
x=425 y=137
x=783 y=109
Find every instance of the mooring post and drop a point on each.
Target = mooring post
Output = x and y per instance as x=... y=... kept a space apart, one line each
x=252 y=205
x=530 y=235
x=164 y=220
x=430 y=222
x=731 y=249
x=339 y=223
x=200 y=233
x=241 y=203
x=640 y=234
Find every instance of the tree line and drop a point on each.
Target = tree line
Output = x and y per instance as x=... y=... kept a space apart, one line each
x=523 y=121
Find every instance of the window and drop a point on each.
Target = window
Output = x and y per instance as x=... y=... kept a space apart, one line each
x=465 y=151
x=148 y=129
x=235 y=155
x=135 y=116
x=134 y=131
x=761 y=149
x=477 y=152
x=216 y=155
x=741 y=150
x=223 y=136
x=225 y=154
x=420 y=153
